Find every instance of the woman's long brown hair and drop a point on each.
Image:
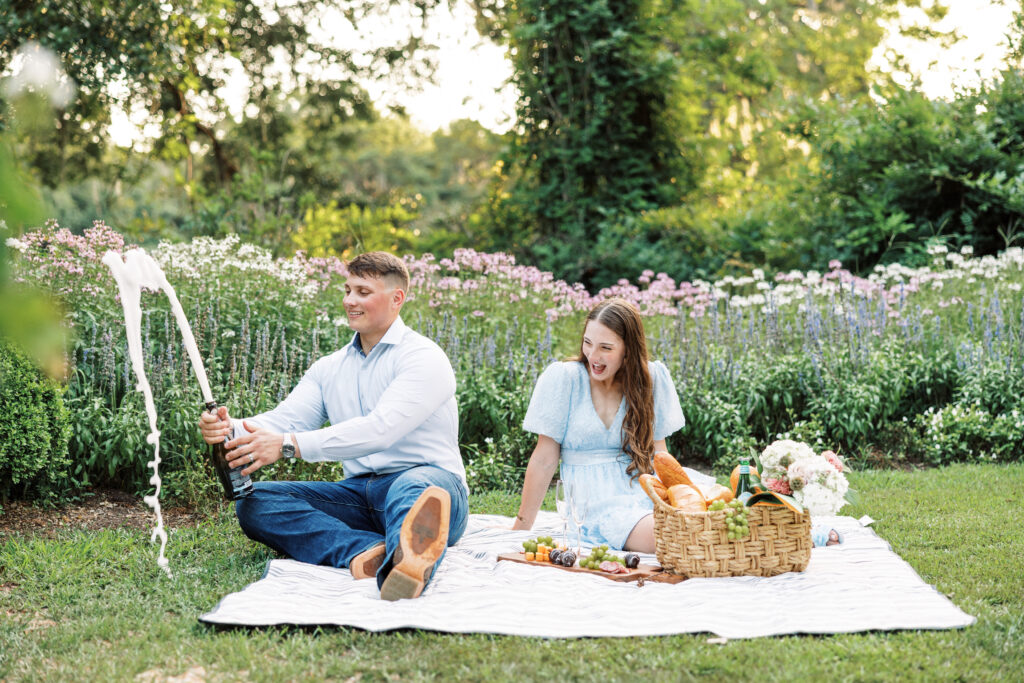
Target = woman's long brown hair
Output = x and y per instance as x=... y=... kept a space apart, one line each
x=622 y=318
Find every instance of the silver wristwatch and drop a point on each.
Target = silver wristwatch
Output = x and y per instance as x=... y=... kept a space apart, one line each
x=288 y=447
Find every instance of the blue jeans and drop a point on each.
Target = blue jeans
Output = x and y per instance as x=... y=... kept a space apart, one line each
x=330 y=522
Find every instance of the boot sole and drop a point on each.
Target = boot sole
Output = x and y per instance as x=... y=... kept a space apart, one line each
x=422 y=541
x=365 y=564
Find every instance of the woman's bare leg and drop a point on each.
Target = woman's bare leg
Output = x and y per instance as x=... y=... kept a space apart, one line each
x=641 y=538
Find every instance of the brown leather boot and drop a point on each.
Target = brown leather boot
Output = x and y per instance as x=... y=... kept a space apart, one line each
x=423 y=539
x=365 y=564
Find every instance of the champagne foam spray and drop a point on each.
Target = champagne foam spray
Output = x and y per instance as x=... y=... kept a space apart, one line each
x=135 y=271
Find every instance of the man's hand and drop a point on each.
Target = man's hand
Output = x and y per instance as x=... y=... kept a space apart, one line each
x=256 y=449
x=215 y=426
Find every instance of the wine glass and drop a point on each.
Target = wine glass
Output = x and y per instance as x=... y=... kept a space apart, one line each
x=578 y=510
x=562 y=505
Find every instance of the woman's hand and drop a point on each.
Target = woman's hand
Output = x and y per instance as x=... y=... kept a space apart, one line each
x=520 y=524
x=542 y=466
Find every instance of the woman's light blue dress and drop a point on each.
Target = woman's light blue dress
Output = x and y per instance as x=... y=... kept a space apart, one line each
x=592 y=458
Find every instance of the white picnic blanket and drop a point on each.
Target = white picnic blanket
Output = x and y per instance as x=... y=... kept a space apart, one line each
x=860 y=585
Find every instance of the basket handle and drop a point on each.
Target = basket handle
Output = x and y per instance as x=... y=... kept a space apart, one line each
x=645 y=482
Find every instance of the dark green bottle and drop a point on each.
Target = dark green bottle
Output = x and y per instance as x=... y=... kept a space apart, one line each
x=236 y=485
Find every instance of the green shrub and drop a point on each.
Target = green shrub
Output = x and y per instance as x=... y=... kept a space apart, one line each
x=496 y=464
x=838 y=361
x=496 y=448
x=33 y=432
x=968 y=433
x=998 y=389
x=897 y=176
x=854 y=401
x=715 y=432
x=773 y=393
x=811 y=432
x=929 y=380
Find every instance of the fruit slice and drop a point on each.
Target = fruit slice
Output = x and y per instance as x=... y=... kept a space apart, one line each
x=669 y=470
x=772 y=499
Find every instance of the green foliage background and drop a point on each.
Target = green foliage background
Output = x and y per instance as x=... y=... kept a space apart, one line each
x=34 y=431
x=912 y=374
x=683 y=137
x=598 y=136
x=679 y=136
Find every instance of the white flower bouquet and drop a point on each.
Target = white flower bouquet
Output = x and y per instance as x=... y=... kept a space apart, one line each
x=814 y=480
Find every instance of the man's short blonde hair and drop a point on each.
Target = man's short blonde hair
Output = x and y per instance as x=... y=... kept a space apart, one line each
x=381 y=265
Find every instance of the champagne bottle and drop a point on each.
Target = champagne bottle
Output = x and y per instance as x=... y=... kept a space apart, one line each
x=744 y=486
x=236 y=485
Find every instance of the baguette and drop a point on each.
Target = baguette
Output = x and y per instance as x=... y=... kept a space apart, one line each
x=669 y=470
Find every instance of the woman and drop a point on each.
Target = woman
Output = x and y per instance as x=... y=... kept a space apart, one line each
x=603 y=414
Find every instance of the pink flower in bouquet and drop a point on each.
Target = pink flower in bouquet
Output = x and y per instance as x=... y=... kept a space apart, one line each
x=816 y=481
x=833 y=459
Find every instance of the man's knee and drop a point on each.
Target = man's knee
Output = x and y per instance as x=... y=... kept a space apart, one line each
x=251 y=510
x=429 y=475
x=418 y=479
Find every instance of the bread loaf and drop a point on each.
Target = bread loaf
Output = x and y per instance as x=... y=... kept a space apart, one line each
x=686 y=498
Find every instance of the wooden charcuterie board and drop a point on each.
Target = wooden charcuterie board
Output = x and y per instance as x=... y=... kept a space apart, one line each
x=644 y=572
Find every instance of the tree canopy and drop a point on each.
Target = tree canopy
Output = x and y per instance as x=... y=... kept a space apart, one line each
x=172 y=59
x=683 y=136
x=677 y=106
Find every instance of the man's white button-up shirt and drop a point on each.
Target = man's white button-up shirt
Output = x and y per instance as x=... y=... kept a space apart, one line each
x=388 y=410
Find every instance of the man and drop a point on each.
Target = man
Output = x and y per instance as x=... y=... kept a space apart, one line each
x=389 y=396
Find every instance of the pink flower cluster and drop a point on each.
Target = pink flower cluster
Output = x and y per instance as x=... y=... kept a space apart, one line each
x=322 y=269
x=500 y=277
x=64 y=260
x=496 y=276
x=60 y=248
x=470 y=280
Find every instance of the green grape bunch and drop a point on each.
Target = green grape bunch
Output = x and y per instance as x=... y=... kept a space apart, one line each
x=735 y=518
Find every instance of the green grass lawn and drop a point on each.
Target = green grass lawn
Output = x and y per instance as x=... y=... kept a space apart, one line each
x=94 y=606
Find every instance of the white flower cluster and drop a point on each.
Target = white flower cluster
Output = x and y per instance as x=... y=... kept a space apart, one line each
x=206 y=257
x=16 y=244
x=892 y=281
x=816 y=481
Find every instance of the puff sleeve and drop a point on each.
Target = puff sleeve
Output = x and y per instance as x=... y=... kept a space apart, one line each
x=548 y=413
x=668 y=414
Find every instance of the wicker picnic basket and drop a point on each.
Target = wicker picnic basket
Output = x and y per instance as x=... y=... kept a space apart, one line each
x=696 y=543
